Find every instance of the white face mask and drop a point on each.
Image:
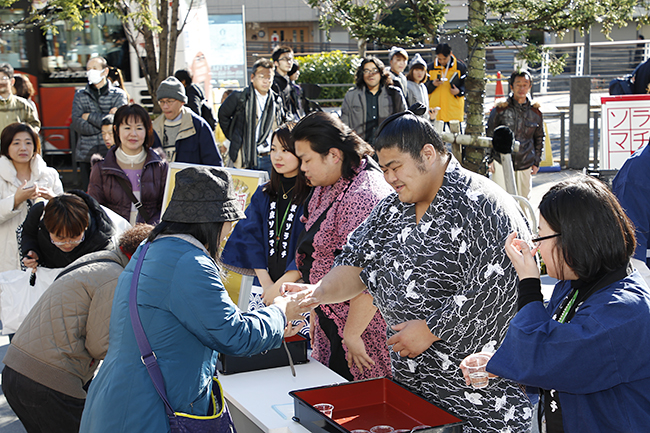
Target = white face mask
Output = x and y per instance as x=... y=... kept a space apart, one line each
x=94 y=76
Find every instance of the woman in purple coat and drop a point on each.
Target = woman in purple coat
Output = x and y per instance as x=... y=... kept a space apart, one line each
x=131 y=179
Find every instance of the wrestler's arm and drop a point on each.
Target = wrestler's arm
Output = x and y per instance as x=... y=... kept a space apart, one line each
x=340 y=284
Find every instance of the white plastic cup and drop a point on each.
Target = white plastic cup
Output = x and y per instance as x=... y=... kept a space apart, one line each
x=325 y=408
x=476 y=363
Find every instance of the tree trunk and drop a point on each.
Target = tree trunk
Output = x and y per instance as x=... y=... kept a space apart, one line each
x=163 y=37
x=361 y=46
x=173 y=38
x=475 y=81
x=474 y=157
x=152 y=69
x=157 y=68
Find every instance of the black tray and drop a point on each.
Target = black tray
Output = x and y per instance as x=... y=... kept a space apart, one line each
x=297 y=345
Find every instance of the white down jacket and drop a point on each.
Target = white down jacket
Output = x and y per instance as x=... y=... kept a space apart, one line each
x=11 y=218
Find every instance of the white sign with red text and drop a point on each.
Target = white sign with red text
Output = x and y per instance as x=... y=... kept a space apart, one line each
x=625 y=128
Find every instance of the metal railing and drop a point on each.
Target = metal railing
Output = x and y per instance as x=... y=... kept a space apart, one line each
x=562 y=141
x=608 y=60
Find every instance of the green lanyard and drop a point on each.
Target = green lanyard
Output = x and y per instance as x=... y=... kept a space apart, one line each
x=566 y=310
x=281 y=226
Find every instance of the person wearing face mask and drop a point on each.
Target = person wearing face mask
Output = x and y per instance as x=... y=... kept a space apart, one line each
x=89 y=107
x=14 y=108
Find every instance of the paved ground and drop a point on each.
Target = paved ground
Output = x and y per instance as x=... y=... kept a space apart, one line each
x=8 y=421
x=542 y=182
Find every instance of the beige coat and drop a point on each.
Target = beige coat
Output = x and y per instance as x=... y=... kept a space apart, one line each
x=17 y=109
x=11 y=218
x=62 y=339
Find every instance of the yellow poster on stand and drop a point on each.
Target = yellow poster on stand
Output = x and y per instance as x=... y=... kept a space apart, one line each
x=245 y=184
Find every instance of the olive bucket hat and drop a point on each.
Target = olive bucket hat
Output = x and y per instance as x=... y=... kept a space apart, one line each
x=203 y=195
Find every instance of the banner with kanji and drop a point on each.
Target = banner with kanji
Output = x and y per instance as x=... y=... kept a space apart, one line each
x=625 y=128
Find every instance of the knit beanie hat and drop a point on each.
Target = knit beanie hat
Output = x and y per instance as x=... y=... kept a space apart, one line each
x=418 y=61
x=173 y=89
x=397 y=50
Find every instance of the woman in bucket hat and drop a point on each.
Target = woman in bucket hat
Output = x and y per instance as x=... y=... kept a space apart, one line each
x=185 y=310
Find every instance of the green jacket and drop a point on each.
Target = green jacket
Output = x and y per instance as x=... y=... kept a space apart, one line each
x=16 y=109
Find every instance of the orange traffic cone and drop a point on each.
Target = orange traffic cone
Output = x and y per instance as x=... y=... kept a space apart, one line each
x=499 y=89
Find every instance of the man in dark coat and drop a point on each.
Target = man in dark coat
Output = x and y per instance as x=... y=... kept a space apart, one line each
x=524 y=118
x=283 y=61
x=90 y=106
x=249 y=117
x=184 y=136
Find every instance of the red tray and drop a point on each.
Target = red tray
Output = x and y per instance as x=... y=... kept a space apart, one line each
x=365 y=404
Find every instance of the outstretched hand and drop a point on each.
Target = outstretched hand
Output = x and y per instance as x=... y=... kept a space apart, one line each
x=290 y=304
x=522 y=257
x=308 y=300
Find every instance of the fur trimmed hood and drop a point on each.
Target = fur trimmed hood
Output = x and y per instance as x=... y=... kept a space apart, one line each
x=502 y=103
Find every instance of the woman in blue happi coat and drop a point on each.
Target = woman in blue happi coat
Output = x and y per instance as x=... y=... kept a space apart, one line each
x=266 y=240
x=586 y=352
